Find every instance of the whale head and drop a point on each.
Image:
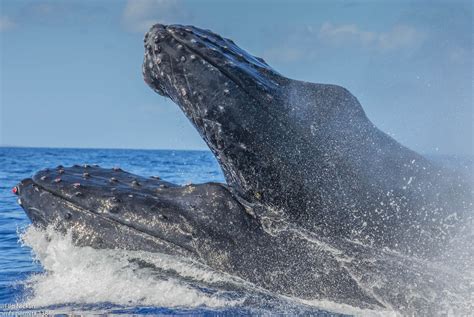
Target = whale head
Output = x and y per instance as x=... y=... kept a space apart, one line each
x=230 y=96
x=110 y=208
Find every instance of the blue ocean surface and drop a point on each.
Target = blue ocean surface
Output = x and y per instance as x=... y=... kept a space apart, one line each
x=91 y=281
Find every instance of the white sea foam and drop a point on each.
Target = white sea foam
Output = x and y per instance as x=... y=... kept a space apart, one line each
x=83 y=275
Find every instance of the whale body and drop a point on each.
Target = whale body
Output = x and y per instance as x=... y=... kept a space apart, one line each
x=318 y=202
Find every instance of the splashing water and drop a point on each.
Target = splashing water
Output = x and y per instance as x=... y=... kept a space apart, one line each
x=84 y=276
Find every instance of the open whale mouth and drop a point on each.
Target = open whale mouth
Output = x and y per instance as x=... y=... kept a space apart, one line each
x=99 y=204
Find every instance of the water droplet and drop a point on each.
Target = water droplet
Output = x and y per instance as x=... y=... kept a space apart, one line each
x=183 y=59
x=158 y=59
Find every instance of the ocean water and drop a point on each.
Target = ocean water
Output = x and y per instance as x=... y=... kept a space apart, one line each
x=44 y=272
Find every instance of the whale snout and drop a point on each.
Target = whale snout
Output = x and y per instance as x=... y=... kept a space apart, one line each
x=108 y=207
x=198 y=69
x=154 y=56
x=169 y=55
x=30 y=198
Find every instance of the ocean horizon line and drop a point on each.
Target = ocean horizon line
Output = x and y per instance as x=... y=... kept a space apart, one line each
x=100 y=148
x=428 y=154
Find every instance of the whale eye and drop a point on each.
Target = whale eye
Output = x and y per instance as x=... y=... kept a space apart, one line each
x=68 y=216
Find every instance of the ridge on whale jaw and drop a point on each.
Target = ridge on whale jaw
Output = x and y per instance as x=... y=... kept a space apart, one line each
x=205 y=223
x=306 y=151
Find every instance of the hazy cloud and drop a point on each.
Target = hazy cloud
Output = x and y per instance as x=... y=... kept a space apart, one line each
x=6 y=23
x=399 y=37
x=459 y=55
x=307 y=42
x=139 y=15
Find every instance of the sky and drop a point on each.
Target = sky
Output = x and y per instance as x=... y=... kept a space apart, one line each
x=71 y=70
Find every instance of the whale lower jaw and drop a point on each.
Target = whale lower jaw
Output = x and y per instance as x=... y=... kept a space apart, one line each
x=105 y=208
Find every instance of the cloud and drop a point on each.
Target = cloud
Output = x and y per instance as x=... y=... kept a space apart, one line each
x=139 y=15
x=310 y=42
x=459 y=55
x=399 y=37
x=6 y=23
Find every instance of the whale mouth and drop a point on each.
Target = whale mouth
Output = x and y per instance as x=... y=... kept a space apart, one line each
x=98 y=203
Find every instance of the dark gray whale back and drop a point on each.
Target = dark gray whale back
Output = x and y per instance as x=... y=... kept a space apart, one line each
x=307 y=150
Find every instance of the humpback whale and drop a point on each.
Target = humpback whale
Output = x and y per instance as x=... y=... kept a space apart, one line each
x=318 y=202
